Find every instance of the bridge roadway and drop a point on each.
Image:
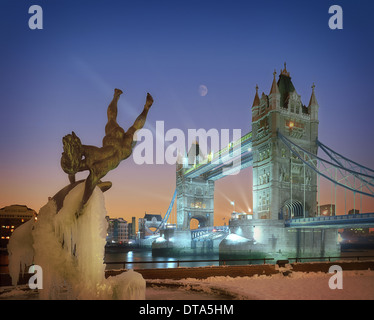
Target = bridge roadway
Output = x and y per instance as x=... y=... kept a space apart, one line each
x=214 y=164
x=362 y=220
x=231 y=168
x=210 y=233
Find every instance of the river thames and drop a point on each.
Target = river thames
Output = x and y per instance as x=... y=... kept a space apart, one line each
x=146 y=255
x=115 y=260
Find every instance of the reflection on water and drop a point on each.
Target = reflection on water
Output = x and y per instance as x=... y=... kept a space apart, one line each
x=135 y=256
x=132 y=257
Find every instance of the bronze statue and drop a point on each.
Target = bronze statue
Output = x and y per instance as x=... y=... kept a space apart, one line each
x=117 y=146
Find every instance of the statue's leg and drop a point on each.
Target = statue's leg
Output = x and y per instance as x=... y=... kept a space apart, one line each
x=140 y=120
x=112 y=112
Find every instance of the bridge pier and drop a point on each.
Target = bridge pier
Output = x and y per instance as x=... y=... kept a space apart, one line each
x=175 y=243
x=262 y=238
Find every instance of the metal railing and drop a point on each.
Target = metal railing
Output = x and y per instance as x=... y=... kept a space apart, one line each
x=298 y=259
x=338 y=217
x=346 y=219
x=196 y=233
x=224 y=261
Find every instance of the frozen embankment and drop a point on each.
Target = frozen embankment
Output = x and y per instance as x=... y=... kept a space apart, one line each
x=356 y=285
x=70 y=252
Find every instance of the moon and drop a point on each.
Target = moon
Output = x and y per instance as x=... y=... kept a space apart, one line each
x=203 y=90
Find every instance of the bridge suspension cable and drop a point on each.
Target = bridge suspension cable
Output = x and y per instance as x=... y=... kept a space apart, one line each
x=167 y=215
x=357 y=169
x=345 y=162
x=348 y=174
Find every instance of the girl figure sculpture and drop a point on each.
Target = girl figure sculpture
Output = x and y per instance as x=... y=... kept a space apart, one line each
x=117 y=146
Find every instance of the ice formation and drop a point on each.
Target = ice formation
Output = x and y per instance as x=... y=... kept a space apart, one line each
x=71 y=251
x=21 y=252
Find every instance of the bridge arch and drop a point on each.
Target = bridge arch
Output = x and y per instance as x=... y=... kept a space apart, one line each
x=201 y=220
x=292 y=209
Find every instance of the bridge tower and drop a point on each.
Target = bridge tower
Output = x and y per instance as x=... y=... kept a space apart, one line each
x=282 y=186
x=195 y=196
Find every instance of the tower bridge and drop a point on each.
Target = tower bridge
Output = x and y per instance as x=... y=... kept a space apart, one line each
x=282 y=151
x=212 y=166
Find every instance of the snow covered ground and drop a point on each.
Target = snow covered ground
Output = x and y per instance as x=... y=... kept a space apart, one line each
x=357 y=285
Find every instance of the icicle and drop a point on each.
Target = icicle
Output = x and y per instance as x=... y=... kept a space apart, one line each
x=71 y=252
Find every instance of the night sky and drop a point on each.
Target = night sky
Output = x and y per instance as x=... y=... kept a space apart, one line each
x=61 y=79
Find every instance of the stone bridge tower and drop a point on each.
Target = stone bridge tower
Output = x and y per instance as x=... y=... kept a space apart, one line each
x=195 y=196
x=282 y=186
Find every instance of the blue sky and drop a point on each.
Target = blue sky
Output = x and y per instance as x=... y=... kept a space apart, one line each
x=62 y=78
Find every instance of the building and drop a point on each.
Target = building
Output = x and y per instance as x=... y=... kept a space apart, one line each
x=118 y=232
x=355 y=232
x=327 y=210
x=354 y=211
x=240 y=216
x=132 y=228
x=12 y=217
x=149 y=224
